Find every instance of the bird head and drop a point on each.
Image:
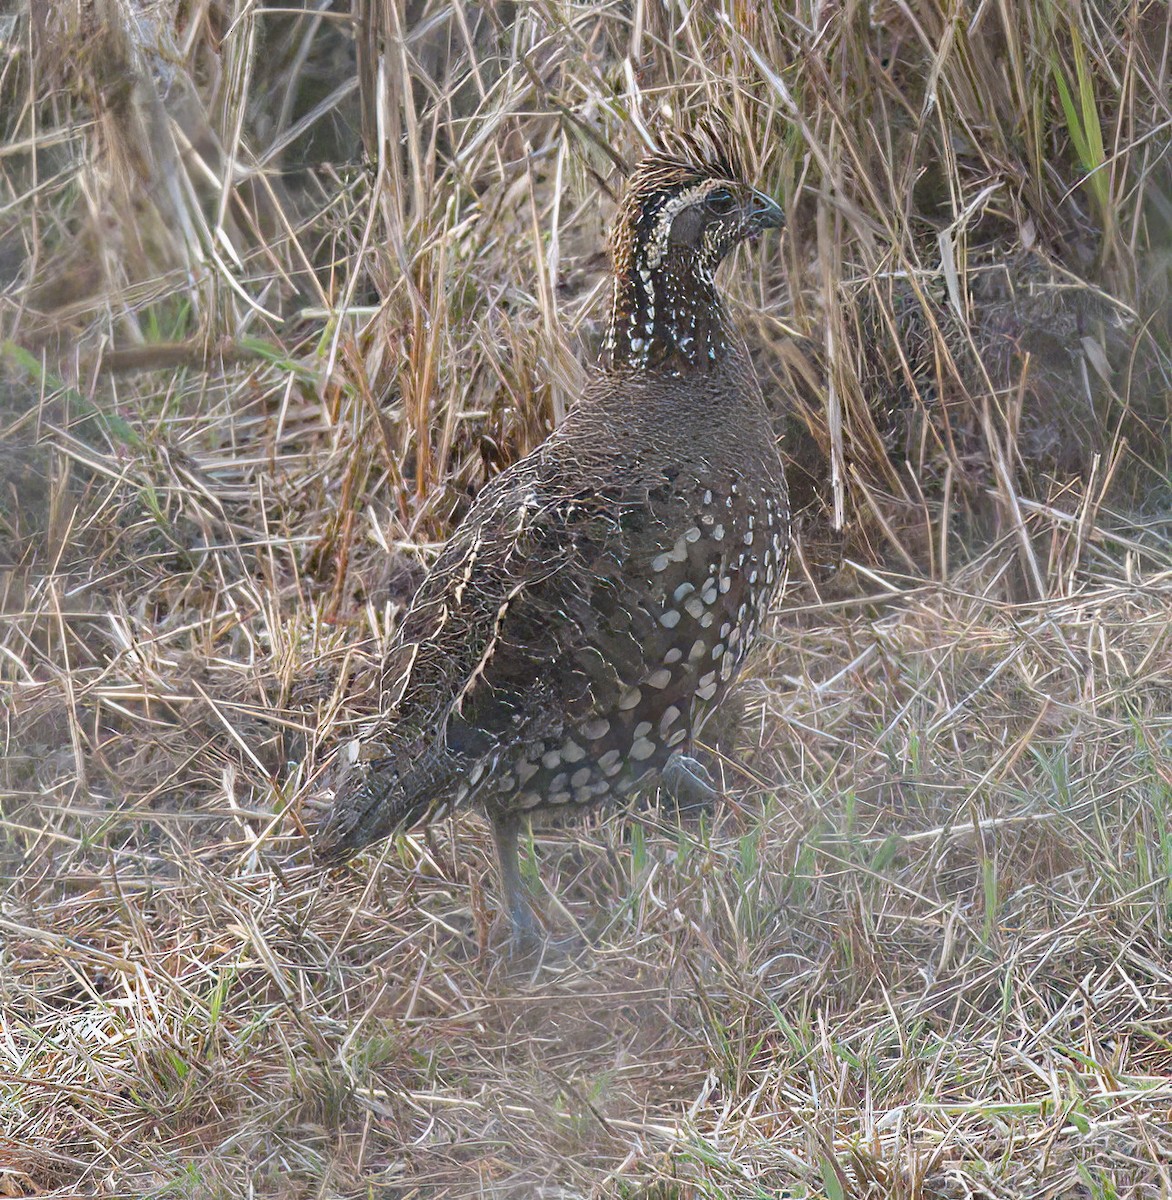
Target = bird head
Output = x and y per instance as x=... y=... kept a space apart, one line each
x=689 y=198
x=686 y=206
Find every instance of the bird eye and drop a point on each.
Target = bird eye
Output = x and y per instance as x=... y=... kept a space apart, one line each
x=720 y=201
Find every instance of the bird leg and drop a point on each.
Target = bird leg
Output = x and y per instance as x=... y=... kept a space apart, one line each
x=525 y=931
x=687 y=782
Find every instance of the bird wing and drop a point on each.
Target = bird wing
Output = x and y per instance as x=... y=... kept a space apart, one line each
x=499 y=640
x=499 y=646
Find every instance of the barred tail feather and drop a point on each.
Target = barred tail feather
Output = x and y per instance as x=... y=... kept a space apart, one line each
x=376 y=799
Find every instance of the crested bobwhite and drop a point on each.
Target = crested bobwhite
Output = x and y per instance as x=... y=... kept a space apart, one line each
x=598 y=599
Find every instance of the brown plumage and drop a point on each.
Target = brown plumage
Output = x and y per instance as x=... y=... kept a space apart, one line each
x=599 y=597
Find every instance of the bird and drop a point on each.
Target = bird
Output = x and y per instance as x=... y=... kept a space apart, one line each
x=601 y=594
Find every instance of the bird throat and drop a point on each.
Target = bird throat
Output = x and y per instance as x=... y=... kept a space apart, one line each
x=668 y=317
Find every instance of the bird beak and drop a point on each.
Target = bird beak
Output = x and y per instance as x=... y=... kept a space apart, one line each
x=764 y=212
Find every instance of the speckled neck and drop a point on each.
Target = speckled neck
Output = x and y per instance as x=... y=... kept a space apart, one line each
x=667 y=317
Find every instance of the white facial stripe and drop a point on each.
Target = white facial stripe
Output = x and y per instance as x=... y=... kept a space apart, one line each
x=656 y=310
x=657 y=247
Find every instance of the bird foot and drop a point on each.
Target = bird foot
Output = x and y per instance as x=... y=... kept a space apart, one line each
x=526 y=935
x=532 y=949
x=688 y=784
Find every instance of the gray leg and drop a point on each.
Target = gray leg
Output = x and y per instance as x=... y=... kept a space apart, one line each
x=687 y=782
x=504 y=832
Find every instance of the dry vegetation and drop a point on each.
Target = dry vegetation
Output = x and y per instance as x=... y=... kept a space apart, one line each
x=280 y=290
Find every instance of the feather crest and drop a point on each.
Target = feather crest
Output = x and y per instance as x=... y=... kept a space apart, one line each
x=681 y=158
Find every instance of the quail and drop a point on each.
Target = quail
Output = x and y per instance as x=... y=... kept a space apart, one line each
x=599 y=597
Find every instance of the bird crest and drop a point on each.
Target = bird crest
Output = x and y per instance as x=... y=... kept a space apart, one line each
x=707 y=150
x=681 y=159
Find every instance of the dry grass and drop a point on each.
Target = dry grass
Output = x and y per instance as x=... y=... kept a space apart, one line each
x=272 y=311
